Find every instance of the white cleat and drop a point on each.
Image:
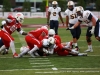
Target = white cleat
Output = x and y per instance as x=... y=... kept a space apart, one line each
x=82 y=54
x=89 y=50
x=32 y=55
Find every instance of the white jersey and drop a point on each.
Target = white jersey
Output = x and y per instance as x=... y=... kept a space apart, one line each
x=85 y=18
x=72 y=15
x=54 y=13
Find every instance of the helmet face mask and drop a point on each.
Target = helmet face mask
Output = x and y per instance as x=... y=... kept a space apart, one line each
x=19 y=17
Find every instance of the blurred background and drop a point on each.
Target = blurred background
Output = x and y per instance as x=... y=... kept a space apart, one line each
x=35 y=6
x=39 y=5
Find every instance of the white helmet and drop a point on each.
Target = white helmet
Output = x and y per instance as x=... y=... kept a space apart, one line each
x=51 y=32
x=19 y=17
x=70 y=3
x=54 y=3
x=44 y=27
x=79 y=8
x=51 y=40
x=45 y=42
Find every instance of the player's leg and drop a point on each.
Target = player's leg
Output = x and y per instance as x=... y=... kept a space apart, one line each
x=9 y=42
x=33 y=44
x=88 y=39
x=74 y=34
x=56 y=24
x=23 y=50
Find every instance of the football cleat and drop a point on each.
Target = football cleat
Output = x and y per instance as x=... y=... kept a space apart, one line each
x=89 y=50
x=15 y=55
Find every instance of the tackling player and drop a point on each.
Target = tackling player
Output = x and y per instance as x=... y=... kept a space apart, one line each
x=53 y=14
x=9 y=26
x=33 y=39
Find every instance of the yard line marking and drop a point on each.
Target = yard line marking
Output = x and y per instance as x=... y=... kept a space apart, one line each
x=54 y=68
x=42 y=65
x=68 y=72
x=46 y=60
x=38 y=58
x=79 y=68
x=58 y=68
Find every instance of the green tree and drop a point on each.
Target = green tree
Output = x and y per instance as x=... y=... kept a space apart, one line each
x=6 y=5
x=43 y=6
x=62 y=4
x=26 y=5
x=98 y=5
x=81 y=3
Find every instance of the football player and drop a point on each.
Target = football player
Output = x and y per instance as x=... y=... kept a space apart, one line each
x=33 y=39
x=41 y=51
x=71 y=19
x=11 y=24
x=54 y=13
x=92 y=22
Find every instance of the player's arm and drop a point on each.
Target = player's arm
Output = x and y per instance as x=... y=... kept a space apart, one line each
x=67 y=21
x=76 y=25
x=91 y=18
x=61 y=18
x=21 y=31
x=48 y=17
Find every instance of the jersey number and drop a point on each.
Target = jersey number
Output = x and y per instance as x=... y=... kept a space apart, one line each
x=13 y=28
x=73 y=16
x=54 y=13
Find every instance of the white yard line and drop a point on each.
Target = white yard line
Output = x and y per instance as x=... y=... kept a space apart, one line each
x=42 y=63
x=38 y=58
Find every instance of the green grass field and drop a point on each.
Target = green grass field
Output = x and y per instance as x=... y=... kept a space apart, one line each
x=51 y=65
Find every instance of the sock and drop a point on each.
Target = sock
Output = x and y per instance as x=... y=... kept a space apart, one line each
x=2 y=48
x=12 y=46
x=34 y=49
x=89 y=46
x=25 y=51
x=75 y=44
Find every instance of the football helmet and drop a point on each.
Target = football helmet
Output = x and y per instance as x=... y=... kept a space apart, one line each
x=45 y=42
x=19 y=17
x=44 y=27
x=54 y=3
x=70 y=5
x=79 y=10
x=51 y=32
x=51 y=40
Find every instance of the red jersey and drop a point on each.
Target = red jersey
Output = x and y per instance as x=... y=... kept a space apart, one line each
x=12 y=25
x=40 y=32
